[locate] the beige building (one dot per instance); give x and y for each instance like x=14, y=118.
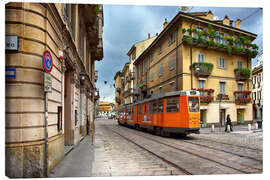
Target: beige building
x=257, y=90
x=72, y=33
x=135, y=51
x=117, y=86
x=194, y=51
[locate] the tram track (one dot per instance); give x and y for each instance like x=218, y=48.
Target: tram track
x=177, y=146
x=151, y=152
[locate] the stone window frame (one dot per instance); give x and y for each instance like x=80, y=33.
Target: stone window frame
x=220, y=64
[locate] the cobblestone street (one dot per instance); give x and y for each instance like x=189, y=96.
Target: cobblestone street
x=122, y=151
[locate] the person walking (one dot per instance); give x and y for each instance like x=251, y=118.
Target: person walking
x=228, y=122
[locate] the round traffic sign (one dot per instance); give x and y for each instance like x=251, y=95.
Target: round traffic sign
x=47, y=61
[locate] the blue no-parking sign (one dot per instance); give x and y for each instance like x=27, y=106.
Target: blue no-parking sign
x=47, y=61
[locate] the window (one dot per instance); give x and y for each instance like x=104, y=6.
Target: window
x=160, y=106
x=254, y=80
x=134, y=110
x=201, y=86
x=76, y=117
x=171, y=64
x=59, y=122
x=133, y=55
x=141, y=69
x=149, y=108
x=160, y=49
x=171, y=38
x=151, y=57
x=161, y=70
x=240, y=87
x=239, y=64
x=222, y=88
x=225, y=41
x=172, y=104
x=218, y=38
x=254, y=95
x=200, y=57
x=172, y=86
x=140, y=109
x=259, y=78
x=145, y=67
x=154, y=108
x=193, y=103
x=160, y=89
x=195, y=34
x=221, y=63
x=152, y=76
x=259, y=95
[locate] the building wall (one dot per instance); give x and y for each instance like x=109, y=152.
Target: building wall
x=40, y=27
x=179, y=77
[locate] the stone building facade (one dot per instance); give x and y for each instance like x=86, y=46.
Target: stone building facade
x=194, y=51
x=72, y=33
x=117, y=86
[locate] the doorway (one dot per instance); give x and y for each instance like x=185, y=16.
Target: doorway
x=240, y=116
x=203, y=118
x=222, y=113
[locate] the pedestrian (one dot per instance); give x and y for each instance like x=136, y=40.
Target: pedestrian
x=228, y=122
x=92, y=130
x=87, y=125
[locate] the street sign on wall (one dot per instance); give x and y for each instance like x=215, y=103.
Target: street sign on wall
x=11, y=73
x=11, y=43
x=47, y=61
x=47, y=82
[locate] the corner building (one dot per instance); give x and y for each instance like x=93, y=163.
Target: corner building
x=194, y=51
x=72, y=33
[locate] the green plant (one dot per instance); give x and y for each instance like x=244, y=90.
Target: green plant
x=184, y=30
x=229, y=50
x=243, y=71
x=141, y=85
x=204, y=66
x=189, y=31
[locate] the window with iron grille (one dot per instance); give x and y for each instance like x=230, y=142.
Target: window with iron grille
x=152, y=76
x=222, y=88
x=161, y=70
x=171, y=64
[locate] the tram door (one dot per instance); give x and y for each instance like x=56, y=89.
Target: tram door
x=222, y=117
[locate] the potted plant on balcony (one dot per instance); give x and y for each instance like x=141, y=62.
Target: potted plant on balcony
x=242, y=73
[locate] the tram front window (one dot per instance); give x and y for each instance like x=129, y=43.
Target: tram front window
x=193, y=103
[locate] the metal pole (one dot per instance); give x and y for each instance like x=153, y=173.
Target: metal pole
x=46, y=136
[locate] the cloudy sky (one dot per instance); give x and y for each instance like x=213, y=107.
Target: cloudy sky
x=125, y=25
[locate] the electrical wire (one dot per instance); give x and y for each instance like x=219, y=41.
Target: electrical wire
x=251, y=14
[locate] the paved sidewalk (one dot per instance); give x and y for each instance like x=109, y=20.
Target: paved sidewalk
x=241, y=129
x=78, y=163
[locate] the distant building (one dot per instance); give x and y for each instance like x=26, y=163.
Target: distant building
x=194, y=51
x=257, y=90
x=105, y=107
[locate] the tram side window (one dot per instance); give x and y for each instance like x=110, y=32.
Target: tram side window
x=160, y=106
x=154, y=108
x=134, y=110
x=149, y=108
x=128, y=110
x=172, y=105
x=140, y=109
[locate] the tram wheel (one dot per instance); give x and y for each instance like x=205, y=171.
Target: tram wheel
x=158, y=131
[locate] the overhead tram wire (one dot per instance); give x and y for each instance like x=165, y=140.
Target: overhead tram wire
x=251, y=14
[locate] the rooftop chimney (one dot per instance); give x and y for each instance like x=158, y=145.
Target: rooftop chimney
x=226, y=20
x=156, y=34
x=165, y=23
x=210, y=15
x=149, y=36
x=238, y=23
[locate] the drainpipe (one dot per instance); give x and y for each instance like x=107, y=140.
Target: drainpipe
x=176, y=59
x=191, y=70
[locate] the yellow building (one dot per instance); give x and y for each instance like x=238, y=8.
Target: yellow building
x=117, y=85
x=72, y=33
x=194, y=51
x=105, y=107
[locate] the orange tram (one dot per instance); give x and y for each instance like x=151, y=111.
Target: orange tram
x=174, y=112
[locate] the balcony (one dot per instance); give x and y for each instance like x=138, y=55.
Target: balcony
x=205, y=95
x=208, y=39
x=242, y=74
x=242, y=97
x=221, y=97
x=143, y=87
x=206, y=99
x=202, y=69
